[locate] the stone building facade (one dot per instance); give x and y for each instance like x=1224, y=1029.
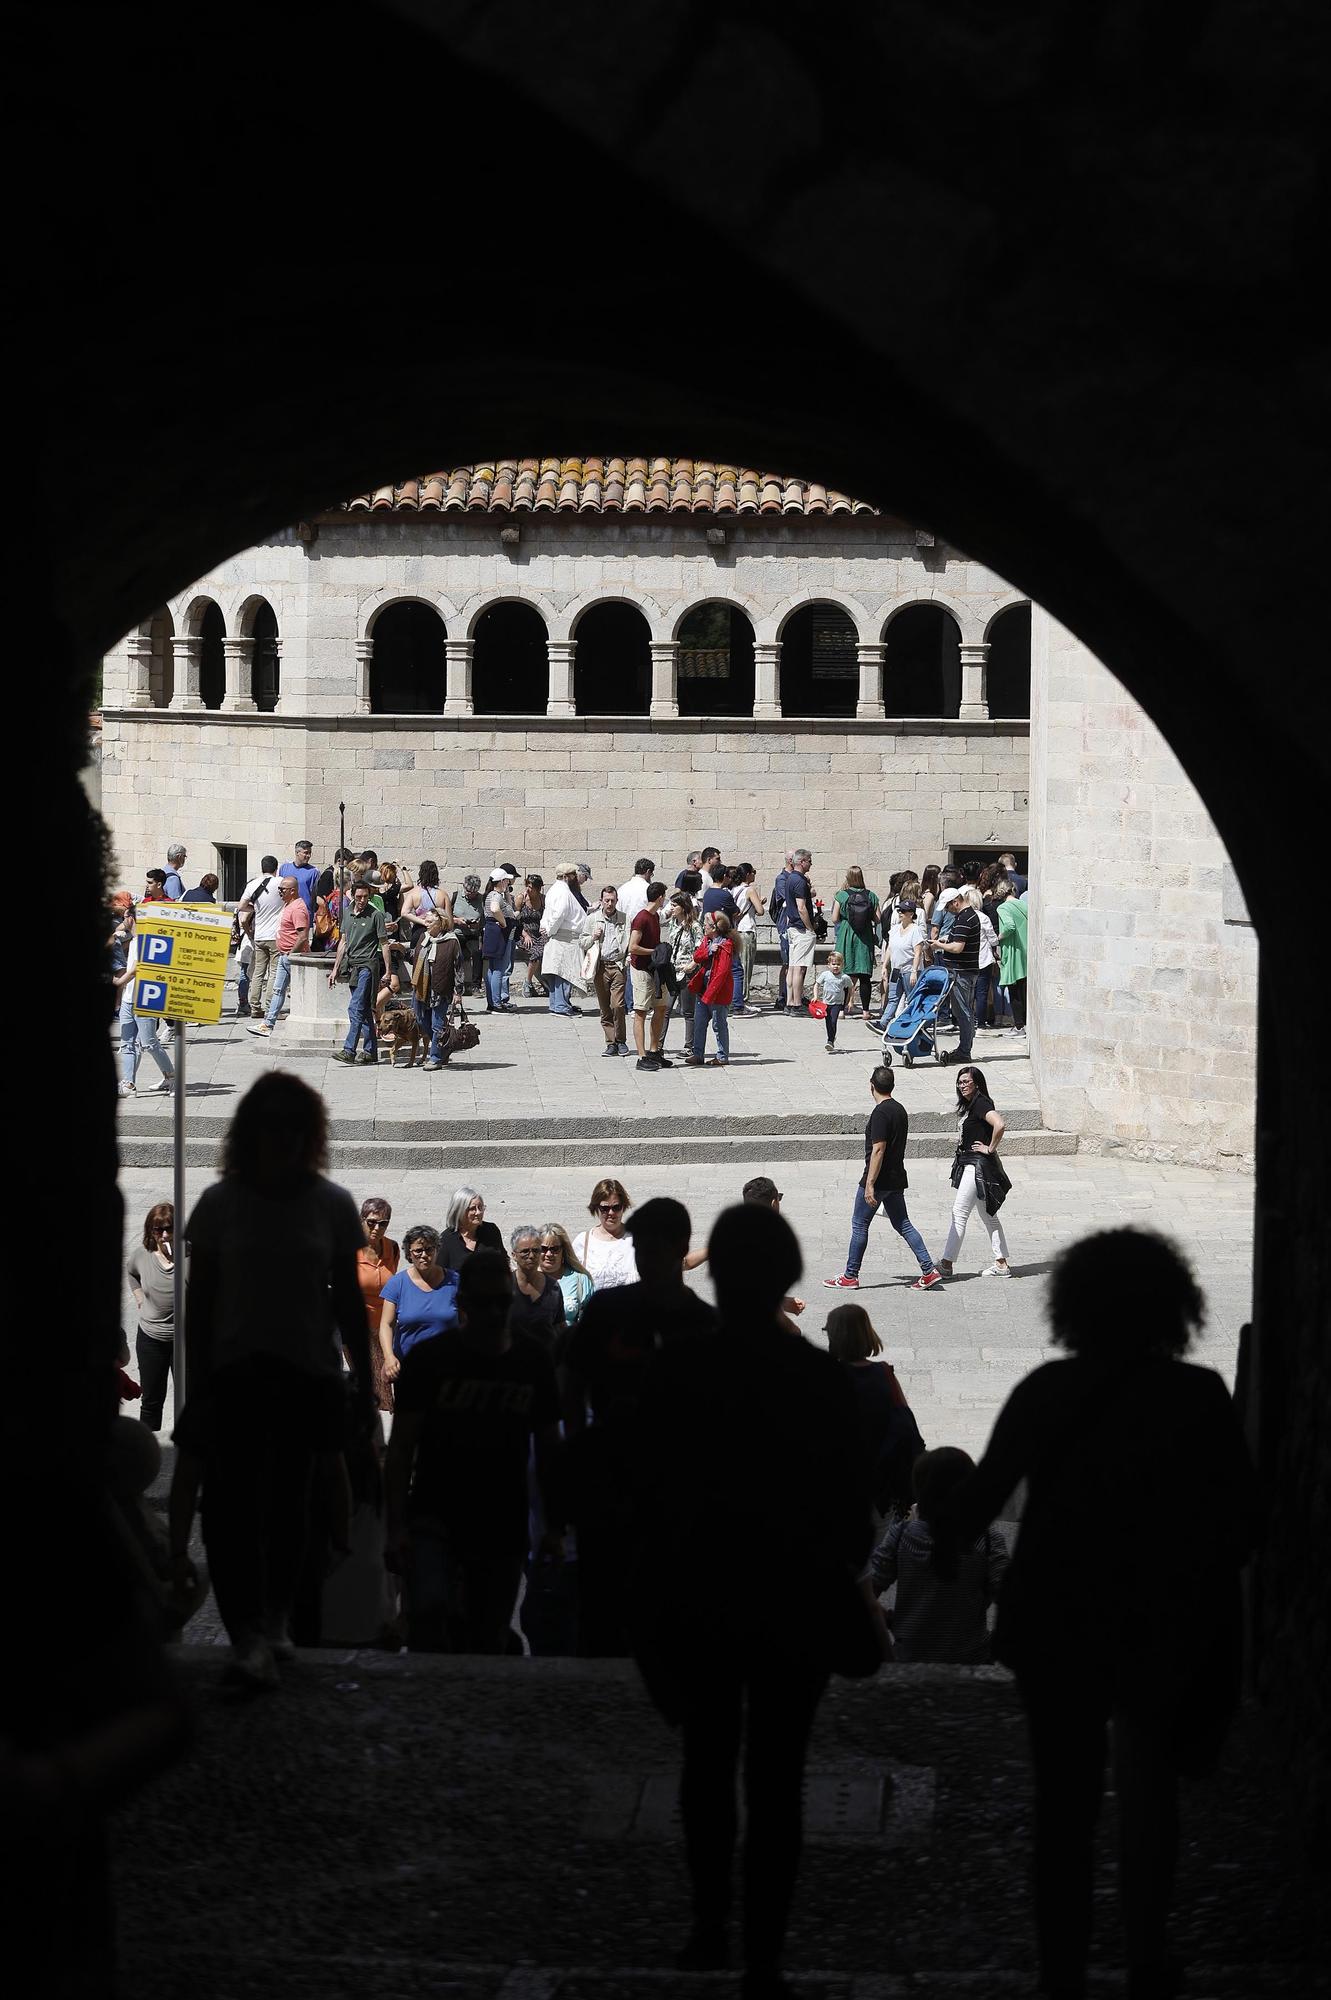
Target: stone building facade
x=600, y=661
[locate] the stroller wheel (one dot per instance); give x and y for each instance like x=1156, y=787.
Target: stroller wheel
x=908, y=1058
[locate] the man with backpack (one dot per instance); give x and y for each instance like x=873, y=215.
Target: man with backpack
x=259, y=914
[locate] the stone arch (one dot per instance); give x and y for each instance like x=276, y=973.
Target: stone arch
x=256, y=620
x=612, y=668
x=193, y=610
x=474, y=608
x=371, y=608
x=738, y=600
x=1008, y=673
x=922, y=660
x=510, y=666
x=574, y=612
x=408, y=672
x=967, y=616
x=715, y=659
x=770, y=627
x=819, y=672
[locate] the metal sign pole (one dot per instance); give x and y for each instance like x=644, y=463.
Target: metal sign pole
x=178, y=1198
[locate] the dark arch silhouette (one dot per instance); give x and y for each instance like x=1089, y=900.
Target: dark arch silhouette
x=265, y=665
x=716, y=661
x=1010, y=662
x=162, y=668
x=212, y=659
x=510, y=670
x=612, y=668
x=820, y=672
x=408, y=670
x=922, y=665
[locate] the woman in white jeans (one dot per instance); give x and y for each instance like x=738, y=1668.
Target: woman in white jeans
x=981, y=1130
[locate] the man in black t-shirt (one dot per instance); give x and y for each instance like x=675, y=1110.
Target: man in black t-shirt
x=468, y=1406
x=959, y=951
x=883, y=1185
x=607, y=1360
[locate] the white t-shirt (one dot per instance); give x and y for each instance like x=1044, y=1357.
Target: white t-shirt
x=610, y=1261
x=747, y=919
x=901, y=943
x=267, y=907
x=274, y=1254
x=633, y=896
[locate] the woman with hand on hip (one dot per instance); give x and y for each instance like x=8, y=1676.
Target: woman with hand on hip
x=977, y=1175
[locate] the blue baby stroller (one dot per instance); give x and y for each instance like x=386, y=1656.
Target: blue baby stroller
x=914, y=1030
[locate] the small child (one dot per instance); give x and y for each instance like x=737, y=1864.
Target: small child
x=834, y=987
x=943, y=1593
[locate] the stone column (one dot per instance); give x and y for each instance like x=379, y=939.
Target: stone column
x=767, y=679
x=185, y=652
x=139, y=655
x=239, y=657
x=277, y=671
x=974, y=688
x=562, y=653
x=870, y=701
x=665, y=677
x=458, y=657
x=364, y=655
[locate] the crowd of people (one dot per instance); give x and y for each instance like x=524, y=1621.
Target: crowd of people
x=410, y=951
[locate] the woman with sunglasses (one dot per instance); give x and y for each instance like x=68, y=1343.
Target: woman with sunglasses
x=375, y=1265
x=419, y=1302
x=560, y=1261
x=466, y=1230
x=152, y=1280
x=538, y=1303
x=606, y=1249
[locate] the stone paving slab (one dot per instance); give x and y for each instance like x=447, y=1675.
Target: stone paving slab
x=958, y=1349
x=411, y=1826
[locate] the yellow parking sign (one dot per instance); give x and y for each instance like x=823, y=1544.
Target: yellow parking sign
x=181, y=960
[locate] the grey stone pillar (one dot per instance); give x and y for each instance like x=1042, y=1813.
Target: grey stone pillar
x=562, y=653
x=974, y=683
x=458, y=695
x=185, y=651
x=665, y=677
x=767, y=679
x=870, y=701
x=364, y=655
x=139, y=657
x=239, y=657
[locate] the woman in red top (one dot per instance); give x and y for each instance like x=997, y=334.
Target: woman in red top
x=375, y=1265
x=714, y=985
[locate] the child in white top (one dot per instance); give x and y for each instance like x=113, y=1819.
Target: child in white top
x=834, y=987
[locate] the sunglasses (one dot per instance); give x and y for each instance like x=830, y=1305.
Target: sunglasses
x=530, y=1251
x=611, y=1208
x=552, y=1249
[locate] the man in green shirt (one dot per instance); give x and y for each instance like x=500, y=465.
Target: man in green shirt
x=364, y=946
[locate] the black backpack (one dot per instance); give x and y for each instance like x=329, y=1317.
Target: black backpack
x=859, y=912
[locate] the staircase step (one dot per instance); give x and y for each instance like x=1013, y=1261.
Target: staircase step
x=629, y=1145
x=205, y=1119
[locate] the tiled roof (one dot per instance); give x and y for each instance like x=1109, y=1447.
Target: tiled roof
x=606, y=486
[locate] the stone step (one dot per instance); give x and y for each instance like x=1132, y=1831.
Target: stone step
x=619, y=1143
x=153, y=1120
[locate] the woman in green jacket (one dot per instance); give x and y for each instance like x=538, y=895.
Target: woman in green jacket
x=857, y=931
x=1012, y=952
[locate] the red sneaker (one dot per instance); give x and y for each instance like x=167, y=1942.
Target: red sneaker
x=842, y=1284
x=927, y=1280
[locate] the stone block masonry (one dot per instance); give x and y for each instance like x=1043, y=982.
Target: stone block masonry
x=583, y=789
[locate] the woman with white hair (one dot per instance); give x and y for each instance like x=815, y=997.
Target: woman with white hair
x=466, y=1230
x=561, y=927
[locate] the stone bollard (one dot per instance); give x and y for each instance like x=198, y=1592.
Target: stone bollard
x=317, y=1011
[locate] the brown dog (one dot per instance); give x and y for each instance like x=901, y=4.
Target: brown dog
x=397, y=1027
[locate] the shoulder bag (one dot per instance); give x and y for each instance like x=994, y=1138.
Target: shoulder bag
x=462, y=1032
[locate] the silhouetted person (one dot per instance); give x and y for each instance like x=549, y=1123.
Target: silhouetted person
x=273, y=1300
x=745, y=1439
x=605, y=1364
x=1122, y=1601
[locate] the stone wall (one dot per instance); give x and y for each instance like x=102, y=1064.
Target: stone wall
x=1143, y=980
x=539, y=792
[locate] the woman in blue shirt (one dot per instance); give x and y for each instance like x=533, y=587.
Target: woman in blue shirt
x=420, y=1301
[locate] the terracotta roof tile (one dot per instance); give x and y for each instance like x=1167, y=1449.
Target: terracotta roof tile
x=606, y=486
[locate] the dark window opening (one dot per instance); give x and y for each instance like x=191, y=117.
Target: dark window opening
x=231, y=872
x=265, y=667
x=716, y=662
x=820, y=672
x=408, y=669
x=922, y=664
x=161, y=663
x=1009, y=677
x=212, y=659
x=510, y=673
x=612, y=667
x=984, y=857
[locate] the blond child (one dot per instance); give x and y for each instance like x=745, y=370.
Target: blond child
x=834, y=988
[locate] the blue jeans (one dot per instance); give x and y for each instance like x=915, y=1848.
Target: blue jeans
x=558, y=990
x=894, y=1208
x=962, y=995
x=506, y=964
x=783, y=939
x=138, y=1038
x=437, y=1022
x=898, y=986
x=720, y=1018
x=738, y=970
x=242, y=990
x=984, y=989
x=280, y=986
x=360, y=1011
x=494, y=981
x=833, y=1016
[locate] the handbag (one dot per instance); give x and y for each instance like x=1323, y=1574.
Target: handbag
x=462, y=1032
